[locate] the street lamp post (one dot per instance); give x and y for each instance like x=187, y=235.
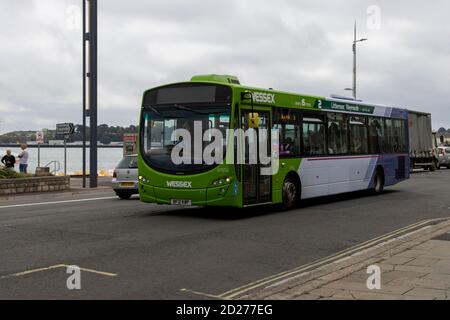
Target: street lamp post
x=90, y=88
x=353, y=89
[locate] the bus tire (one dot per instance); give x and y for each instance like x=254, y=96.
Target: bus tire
x=290, y=193
x=378, y=181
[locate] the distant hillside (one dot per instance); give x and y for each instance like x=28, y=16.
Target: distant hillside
x=106, y=134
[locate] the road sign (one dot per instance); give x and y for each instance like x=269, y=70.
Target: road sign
x=129, y=143
x=39, y=137
x=63, y=129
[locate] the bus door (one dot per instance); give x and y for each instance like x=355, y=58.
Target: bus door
x=257, y=188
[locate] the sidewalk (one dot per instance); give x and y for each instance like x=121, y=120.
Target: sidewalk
x=413, y=266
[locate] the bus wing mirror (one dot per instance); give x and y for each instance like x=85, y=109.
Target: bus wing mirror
x=253, y=120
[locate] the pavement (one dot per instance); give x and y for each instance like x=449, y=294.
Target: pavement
x=413, y=266
x=131, y=250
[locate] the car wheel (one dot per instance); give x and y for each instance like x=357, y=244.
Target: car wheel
x=290, y=193
x=433, y=166
x=378, y=181
x=123, y=194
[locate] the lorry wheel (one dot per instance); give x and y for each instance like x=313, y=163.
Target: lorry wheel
x=378, y=182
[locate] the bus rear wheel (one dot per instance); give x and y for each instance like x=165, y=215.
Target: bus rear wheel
x=378, y=181
x=290, y=193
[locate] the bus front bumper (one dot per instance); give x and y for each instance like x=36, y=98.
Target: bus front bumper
x=225, y=195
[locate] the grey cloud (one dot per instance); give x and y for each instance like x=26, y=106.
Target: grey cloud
x=302, y=46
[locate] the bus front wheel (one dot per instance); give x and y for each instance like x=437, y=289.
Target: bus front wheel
x=290, y=193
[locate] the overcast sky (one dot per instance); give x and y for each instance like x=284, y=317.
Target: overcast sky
x=293, y=45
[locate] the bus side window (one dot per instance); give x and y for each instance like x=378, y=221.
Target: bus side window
x=376, y=134
x=390, y=143
x=286, y=121
x=313, y=128
x=337, y=133
x=399, y=140
x=358, y=135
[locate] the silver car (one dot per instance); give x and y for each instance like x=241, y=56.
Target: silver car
x=125, y=177
x=444, y=157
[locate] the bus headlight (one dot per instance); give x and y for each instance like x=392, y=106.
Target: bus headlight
x=221, y=181
x=144, y=180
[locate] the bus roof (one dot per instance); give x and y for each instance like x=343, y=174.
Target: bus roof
x=270, y=97
x=300, y=100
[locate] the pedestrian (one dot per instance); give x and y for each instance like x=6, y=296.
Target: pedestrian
x=9, y=160
x=23, y=156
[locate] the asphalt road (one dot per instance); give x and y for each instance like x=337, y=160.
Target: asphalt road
x=154, y=251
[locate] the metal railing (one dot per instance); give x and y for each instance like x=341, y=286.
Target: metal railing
x=56, y=166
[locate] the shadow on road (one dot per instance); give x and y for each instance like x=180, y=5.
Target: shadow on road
x=228, y=213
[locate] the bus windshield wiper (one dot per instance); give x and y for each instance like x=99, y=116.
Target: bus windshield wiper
x=154, y=110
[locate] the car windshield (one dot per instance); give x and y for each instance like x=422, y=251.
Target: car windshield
x=159, y=122
x=128, y=162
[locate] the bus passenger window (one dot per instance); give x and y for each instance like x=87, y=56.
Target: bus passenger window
x=337, y=134
x=399, y=144
x=390, y=145
x=313, y=136
x=358, y=135
x=287, y=122
x=376, y=134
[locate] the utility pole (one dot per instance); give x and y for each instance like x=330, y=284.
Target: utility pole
x=353, y=89
x=90, y=88
x=354, y=62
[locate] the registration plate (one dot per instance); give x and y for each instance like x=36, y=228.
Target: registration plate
x=181, y=202
x=127, y=184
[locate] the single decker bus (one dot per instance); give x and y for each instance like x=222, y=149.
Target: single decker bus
x=325, y=146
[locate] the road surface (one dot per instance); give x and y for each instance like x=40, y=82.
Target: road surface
x=131, y=250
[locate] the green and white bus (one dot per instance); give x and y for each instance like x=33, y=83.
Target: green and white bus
x=326, y=145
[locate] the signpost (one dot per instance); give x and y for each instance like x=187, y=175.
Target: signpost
x=39, y=141
x=65, y=129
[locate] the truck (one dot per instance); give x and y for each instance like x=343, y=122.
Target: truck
x=422, y=141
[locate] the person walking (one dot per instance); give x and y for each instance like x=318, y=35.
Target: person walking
x=23, y=156
x=9, y=160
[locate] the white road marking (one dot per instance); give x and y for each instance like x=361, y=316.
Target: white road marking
x=54, y=202
x=27, y=272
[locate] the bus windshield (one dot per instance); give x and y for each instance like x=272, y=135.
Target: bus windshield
x=159, y=122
